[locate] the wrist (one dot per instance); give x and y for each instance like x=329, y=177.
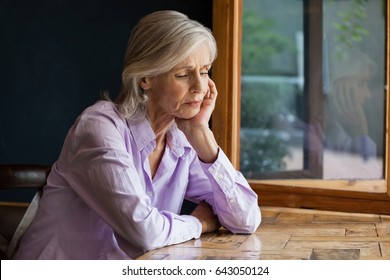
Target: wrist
x=205, y=145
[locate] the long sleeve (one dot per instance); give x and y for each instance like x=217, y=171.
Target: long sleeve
x=227, y=191
x=107, y=175
x=101, y=202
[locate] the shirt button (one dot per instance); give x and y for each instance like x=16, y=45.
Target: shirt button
x=150, y=194
x=231, y=200
x=220, y=176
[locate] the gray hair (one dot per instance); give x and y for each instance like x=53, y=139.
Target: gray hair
x=159, y=42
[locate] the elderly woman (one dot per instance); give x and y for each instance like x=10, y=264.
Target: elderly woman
x=118, y=186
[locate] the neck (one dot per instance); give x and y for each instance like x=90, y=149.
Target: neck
x=160, y=124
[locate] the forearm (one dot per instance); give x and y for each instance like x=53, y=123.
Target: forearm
x=204, y=143
x=230, y=195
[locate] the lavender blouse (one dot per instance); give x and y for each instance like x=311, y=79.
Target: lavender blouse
x=101, y=202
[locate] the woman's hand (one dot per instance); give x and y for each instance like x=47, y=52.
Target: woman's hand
x=197, y=129
x=204, y=213
x=202, y=119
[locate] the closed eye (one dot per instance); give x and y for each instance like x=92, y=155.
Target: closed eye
x=205, y=72
x=182, y=75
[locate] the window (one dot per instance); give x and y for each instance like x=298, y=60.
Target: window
x=312, y=89
x=303, y=109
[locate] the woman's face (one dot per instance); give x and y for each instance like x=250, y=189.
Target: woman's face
x=179, y=93
x=360, y=85
x=354, y=88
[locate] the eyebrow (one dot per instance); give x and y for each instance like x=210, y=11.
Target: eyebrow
x=190, y=67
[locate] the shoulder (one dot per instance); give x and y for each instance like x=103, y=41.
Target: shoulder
x=100, y=122
x=100, y=116
x=103, y=110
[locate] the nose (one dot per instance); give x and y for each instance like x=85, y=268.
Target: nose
x=368, y=93
x=198, y=85
x=365, y=92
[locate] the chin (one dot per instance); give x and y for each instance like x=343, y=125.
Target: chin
x=189, y=114
x=193, y=115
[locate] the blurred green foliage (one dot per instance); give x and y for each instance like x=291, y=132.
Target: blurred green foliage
x=263, y=104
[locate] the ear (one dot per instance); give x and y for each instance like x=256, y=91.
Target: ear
x=145, y=83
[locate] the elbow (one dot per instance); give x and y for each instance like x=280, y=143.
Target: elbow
x=141, y=237
x=146, y=245
x=250, y=224
x=252, y=227
x=149, y=240
x=256, y=219
x=249, y=227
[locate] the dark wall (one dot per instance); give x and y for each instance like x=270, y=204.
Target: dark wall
x=55, y=58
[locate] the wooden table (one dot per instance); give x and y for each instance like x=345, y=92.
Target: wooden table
x=288, y=233
x=217, y=245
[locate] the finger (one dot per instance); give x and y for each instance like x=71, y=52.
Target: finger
x=351, y=100
x=335, y=98
x=212, y=87
x=344, y=99
x=208, y=93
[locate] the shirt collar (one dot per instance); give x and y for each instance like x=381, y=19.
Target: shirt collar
x=142, y=133
x=144, y=136
x=177, y=141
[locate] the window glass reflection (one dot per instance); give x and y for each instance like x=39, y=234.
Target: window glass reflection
x=354, y=103
x=281, y=127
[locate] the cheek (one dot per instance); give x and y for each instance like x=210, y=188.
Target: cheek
x=177, y=93
x=171, y=100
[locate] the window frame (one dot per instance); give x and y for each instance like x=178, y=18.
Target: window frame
x=368, y=196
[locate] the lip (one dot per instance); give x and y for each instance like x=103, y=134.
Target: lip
x=195, y=103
